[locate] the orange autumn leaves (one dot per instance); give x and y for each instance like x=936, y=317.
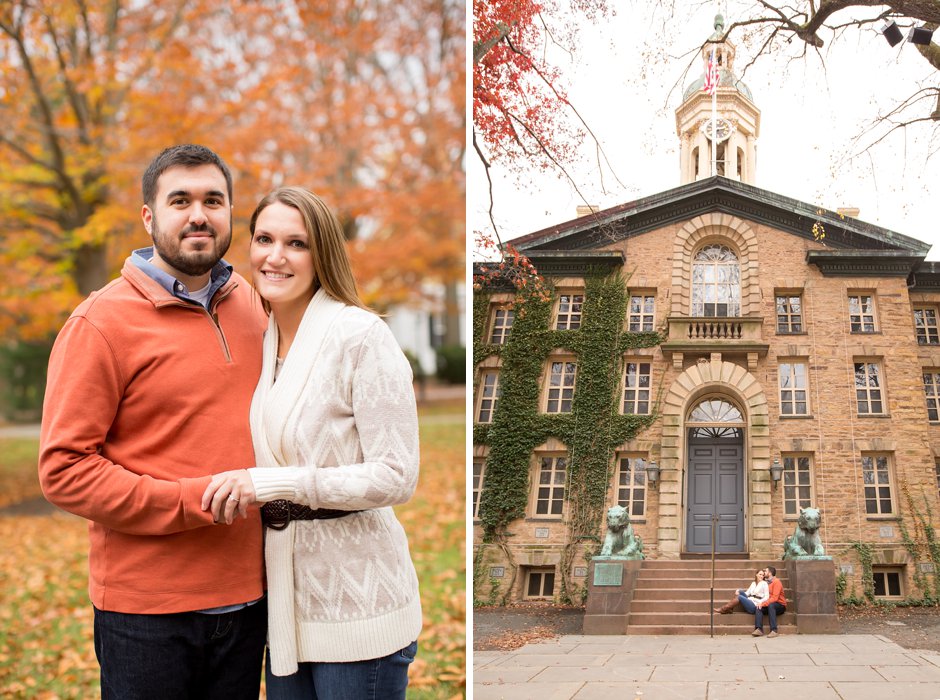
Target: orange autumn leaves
x=361, y=101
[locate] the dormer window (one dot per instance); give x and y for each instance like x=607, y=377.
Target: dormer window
x=716, y=282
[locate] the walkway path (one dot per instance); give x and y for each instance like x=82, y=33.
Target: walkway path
x=814, y=667
x=29, y=430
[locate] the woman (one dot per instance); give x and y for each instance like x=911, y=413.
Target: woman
x=750, y=599
x=335, y=434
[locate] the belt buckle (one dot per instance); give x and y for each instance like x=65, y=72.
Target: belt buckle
x=280, y=523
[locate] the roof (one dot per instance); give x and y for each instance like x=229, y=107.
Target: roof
x=717, y=194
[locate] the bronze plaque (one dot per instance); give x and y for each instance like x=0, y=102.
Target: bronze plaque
x=608, y=574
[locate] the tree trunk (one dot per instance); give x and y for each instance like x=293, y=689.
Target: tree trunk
x=91, y=268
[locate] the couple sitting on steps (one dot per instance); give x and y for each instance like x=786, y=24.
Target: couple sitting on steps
x=765, y=593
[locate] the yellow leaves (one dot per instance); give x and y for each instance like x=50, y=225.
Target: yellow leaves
x=105, y=222
x=819, y=230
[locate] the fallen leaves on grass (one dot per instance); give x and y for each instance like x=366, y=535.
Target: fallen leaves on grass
x=434, y=523
x=46, y=620
x=46, y=648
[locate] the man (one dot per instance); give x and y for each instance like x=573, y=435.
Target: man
x=775, y=604
x=149, y=387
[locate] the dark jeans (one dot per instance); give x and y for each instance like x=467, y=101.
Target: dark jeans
x=385, y=678
x=181, y=655
x=773, y=610
x=747, y=603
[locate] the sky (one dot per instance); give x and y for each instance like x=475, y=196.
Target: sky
x=627, y=81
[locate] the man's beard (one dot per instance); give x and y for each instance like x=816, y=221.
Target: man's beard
x=193, y=264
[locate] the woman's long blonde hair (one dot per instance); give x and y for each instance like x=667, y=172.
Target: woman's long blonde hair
x=331, y=268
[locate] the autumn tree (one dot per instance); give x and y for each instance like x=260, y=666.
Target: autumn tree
x=522, y=117
x=83, y=101
x=360, y=100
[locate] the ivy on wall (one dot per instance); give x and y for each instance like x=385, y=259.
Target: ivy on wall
x=591, y=431
x=922, y=546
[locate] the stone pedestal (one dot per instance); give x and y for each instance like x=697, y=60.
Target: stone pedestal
x=813, y=585
x=610, y=594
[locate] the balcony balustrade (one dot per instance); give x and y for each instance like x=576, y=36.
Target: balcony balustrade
x=707, y=335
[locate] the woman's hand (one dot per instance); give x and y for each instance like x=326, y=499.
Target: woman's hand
x=228, y=493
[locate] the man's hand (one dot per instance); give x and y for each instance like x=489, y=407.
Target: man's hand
x=228, y=493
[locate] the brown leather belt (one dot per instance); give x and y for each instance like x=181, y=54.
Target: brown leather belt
x=277, y=514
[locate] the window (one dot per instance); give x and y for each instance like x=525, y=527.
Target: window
x=561, y=381
x=925, y=325
x=932, y=392
x=550, y=494
x=715, y=418
x=540, y=583
x=568, y=317
x=876, y=475
x=631, y=485
x=868, y=388
x=641, y=313
x=789, y=313
x=502, y=323
x=887, y=581
x=862, y=313
x=936, y=467
x=478, y=468
x=797, y=487
x=716, y=282
x=489, y=393
x=636, y=388
x=793, y=389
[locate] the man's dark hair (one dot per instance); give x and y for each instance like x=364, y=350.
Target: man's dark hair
x=772, y=570
x=188, y=155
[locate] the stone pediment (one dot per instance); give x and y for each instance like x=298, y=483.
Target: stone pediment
x=719, y=194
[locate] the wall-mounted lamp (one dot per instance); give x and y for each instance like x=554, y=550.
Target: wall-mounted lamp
x=920, y=35
x=776, y=472
x=652, y=473
x=892, y=33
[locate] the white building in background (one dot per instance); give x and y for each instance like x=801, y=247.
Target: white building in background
x=420, y=326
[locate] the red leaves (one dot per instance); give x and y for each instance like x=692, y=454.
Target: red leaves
x=519, y=100
x=514, y=268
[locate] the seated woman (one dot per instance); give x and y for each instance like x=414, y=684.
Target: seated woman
x=751, y=599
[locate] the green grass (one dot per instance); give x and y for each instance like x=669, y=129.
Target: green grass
x=46, y=647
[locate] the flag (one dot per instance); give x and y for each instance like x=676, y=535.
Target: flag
x=711, y=76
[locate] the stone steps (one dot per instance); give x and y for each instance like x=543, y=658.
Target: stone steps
x=673, y=597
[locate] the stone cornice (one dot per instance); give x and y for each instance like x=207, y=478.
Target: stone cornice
x=558, y=263
x=576, y=264
x=863, y=263
x=925, y=277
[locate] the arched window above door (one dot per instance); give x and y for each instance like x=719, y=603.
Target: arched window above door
x=716, y=282
x=721, y=419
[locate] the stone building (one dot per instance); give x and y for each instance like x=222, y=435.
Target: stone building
x=797, y=364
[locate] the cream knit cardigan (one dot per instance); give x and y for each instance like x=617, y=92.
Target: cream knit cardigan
x=338, y=429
